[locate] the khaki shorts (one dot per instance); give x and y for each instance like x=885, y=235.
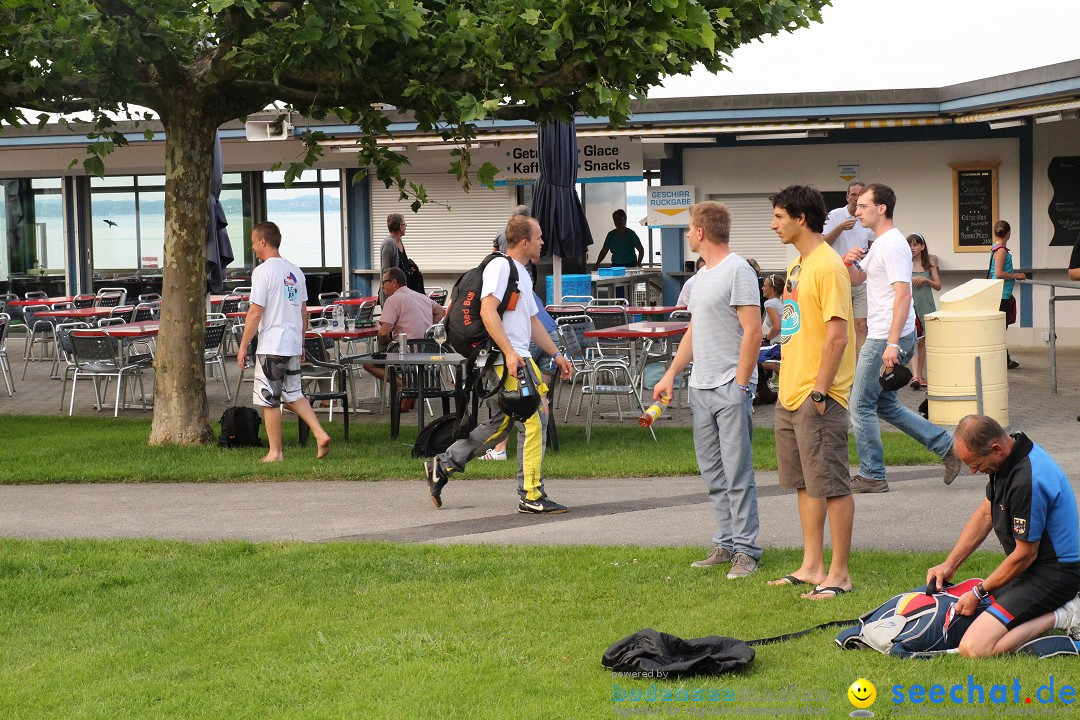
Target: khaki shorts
x=858, y=301
x=812, y=449
x=277, y=380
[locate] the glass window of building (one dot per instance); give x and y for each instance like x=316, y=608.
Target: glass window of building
x=129, y=221
x=309, y=215
x=128, y=227
x=32, y=228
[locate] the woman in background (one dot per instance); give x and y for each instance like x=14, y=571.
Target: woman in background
x=769, y=355
x=773, y=288
x=924, y=281
x=1001, y=266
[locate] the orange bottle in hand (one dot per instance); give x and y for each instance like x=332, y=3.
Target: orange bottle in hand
x=654, y=412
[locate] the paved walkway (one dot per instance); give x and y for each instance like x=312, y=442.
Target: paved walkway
x=920, y=513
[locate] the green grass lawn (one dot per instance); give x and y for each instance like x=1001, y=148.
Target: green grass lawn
x=48, y=449
x=145, y=629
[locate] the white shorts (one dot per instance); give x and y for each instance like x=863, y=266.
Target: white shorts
x=277, y=380
x=858, y=301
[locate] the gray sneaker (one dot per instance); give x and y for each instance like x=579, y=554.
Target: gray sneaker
x=859, y=484
x=952, y=466
x=718, y=556
x=743, y=566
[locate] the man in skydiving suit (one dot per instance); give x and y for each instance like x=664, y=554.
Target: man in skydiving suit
x=1031, y=507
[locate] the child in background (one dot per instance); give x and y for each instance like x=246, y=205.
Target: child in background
x=924, y=280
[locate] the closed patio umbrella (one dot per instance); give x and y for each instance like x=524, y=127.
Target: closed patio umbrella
x=219, y=252
x=556, y=205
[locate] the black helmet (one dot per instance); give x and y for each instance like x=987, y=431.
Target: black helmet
x=522, y=402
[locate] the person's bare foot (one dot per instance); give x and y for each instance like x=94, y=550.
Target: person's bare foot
x=324, y=447
x=829, y=588
x=273, y=458
x=800, y=577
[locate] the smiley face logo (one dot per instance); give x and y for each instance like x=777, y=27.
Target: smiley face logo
x=862, y=693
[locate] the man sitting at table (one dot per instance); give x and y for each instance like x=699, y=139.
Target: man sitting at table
x=404, y=311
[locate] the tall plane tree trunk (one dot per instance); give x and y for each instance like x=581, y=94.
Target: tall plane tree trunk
x=180, y=406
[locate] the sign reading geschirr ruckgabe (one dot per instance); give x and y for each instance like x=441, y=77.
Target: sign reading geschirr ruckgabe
x=669, y=205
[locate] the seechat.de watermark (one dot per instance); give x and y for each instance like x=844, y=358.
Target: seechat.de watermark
x=1052, y=695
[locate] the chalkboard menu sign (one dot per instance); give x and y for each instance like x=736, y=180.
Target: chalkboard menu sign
x=1064, y=210
x=975, y=206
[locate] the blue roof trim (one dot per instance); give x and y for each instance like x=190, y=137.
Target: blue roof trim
x=46, y=140
x=1011, y=96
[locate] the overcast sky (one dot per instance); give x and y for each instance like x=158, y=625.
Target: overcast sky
x=874, y=44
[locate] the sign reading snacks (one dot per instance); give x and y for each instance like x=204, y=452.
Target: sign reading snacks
x=669, y=205
x=599, y=160
x=975, y=205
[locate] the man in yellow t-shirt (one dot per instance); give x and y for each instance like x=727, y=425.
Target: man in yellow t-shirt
x=817, y=340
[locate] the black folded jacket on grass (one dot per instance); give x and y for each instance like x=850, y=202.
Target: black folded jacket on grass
x=663, y=655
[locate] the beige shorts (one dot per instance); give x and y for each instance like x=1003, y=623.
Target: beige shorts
x=812, y=449
x=277, y=380
x=858, y=301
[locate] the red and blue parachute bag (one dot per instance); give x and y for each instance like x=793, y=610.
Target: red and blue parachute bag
x=915, y=624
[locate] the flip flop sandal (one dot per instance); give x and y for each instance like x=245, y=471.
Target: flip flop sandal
x=789, y=580
x=825, y=593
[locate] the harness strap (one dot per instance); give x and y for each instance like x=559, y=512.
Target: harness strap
x=800, y=633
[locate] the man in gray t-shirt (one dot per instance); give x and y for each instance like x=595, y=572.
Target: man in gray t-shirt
x=723, y=341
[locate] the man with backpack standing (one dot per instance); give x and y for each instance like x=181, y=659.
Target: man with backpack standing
x=511, y=333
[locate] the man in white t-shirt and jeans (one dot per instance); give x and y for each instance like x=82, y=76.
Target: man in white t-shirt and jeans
x=890, y=340
x=844, y=231
x=511, y=334
x=278, y=313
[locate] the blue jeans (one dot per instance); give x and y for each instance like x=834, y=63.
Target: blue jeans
x=723, y=434
x=869, y=401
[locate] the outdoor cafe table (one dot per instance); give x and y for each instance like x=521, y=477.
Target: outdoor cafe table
x=646, y=332
x=40, y=301
x=216, y=300
x=312, y=310
x=1054, y=300
x=354, y=301
x=641, y=331
x=129, y=331
x=361, y=333
x=89, y=313
x=448, y=359
x=656, y=310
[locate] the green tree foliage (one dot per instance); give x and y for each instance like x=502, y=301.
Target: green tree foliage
x=449, y=63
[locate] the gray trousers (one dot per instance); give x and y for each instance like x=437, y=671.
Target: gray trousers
x=723, y=435
x=530, y=446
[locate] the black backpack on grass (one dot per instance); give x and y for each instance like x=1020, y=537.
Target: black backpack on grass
x=240, y=427
x=465, y=329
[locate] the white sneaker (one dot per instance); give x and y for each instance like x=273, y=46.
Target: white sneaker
x=1071, y=620
x=493, y=454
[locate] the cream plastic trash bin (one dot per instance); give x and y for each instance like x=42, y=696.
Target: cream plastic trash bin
x=980, y=294
x=969, y=326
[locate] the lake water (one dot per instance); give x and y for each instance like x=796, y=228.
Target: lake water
x=115, y=245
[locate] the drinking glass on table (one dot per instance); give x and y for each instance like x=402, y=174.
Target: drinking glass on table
x=438, y=333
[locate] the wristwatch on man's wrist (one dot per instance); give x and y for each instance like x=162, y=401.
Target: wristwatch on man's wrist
x=818, y=397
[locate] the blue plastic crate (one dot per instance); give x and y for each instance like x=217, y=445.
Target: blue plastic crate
x=612, y=272
x=571, y=285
